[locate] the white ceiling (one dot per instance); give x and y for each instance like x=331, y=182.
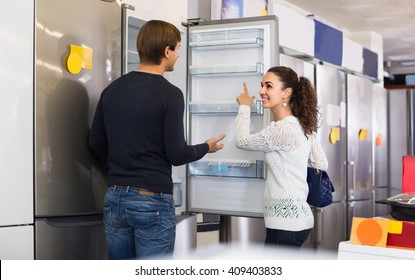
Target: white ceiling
x=394, y=20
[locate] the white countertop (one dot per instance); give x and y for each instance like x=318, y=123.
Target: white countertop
x=349, y=251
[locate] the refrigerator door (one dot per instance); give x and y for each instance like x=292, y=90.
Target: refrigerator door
x=380, y=136
x=330, y=226
x=359, y=138
x=77, y=56
x=130, y=29
x=221, y=56
x=70, y=238
x=380, y=148
x=331, y=94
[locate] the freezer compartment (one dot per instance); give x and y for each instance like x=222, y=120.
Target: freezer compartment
x=251, y=37
x=228, y=168
x=329, y=227
x=242, y=230
x=222, y=108
x=70, y=238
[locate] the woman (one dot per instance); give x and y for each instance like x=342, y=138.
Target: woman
x=290, y=145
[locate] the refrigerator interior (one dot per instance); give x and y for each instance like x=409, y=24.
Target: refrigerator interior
x=221, y=56
x=73, y=65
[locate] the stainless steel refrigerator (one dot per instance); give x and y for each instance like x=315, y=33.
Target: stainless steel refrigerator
x=359, y=178
x=330, y=221
x=77, y=54
x=82, y=46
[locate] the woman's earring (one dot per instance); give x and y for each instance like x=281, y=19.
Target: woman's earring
x=284, y=104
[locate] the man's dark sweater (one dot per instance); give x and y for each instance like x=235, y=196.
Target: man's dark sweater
x=138, y=132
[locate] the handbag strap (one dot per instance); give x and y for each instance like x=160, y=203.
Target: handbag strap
x=314, y=152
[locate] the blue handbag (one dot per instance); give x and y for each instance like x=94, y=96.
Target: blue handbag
x=320, y=188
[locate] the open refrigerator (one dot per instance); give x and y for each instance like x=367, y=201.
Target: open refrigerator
x=221, y=56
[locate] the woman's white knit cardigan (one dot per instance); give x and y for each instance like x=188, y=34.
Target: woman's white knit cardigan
x=287, y=154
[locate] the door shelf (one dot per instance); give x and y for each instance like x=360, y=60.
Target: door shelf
x=228, y=168
x=252, y=69
x=224, y=108
x=238, y=38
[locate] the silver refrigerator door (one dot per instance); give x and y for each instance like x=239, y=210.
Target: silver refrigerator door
x=359, y=138
x=331, y=94
x=79, y=36
x=360, y=201
x=330, y=222
x=380, y=148
x=78, y=53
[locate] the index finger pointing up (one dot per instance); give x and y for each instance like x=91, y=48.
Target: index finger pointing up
x=245, y=89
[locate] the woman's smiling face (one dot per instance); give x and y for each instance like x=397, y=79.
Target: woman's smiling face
x=272, y=91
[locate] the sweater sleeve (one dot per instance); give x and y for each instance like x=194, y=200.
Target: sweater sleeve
x=177, y=149
x=98, y=142
x=281, y=135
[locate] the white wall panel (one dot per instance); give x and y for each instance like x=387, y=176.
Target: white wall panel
x=352, y=55
x=295, y=30
x=174, y=12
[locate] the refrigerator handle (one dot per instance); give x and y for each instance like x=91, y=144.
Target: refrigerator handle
x=73, y=221
x=319, y=233
x=259, y=108
x=352, y=164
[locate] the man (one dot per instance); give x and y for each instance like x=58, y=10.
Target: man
x=138, y=132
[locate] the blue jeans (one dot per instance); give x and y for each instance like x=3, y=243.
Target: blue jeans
x=138, y=226
x=286, y=238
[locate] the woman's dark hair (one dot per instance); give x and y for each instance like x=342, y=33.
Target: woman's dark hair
x=153, y=38
x=303, y=101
